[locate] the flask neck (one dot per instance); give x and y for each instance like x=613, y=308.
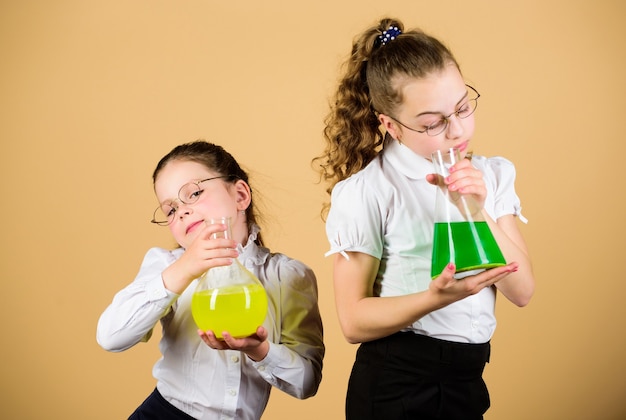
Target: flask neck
x=228, y=275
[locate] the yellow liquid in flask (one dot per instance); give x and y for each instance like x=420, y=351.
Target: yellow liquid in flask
x=237, y=309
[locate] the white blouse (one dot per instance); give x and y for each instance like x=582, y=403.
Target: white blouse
x=387, y=210
x=222, y=384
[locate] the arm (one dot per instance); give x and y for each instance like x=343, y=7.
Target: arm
x=294, y=364
x=364, y=317
x=163, y=276
x=135, y=310
x=466, y=179
x=519, y=286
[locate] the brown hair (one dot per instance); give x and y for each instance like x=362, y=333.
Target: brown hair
x=216, y=159
x=371, y=84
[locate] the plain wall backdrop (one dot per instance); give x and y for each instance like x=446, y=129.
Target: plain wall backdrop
x=93, y=93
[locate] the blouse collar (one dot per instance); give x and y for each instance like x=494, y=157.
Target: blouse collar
x=258, y=255
x=406, y=161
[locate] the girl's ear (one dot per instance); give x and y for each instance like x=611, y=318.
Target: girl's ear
x=390, y=126
x=243, y=194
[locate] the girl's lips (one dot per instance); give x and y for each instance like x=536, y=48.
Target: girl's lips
x=193, y=226
x=463, y=146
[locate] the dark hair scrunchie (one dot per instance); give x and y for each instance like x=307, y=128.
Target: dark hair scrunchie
x=388, y=35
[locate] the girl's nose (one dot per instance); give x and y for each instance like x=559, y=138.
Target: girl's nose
x=454, y=129
x=183, y=210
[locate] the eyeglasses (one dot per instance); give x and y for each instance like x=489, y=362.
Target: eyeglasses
x=188, y=194
x=438, y=127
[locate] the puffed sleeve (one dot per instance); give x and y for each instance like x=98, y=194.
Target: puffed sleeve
x=294, y=364
x=499, y=174
x=355, y=220
x=136, y=309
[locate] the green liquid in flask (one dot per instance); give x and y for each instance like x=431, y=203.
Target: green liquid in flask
x=473, y=247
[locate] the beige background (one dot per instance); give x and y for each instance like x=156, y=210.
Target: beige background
x=93, y=93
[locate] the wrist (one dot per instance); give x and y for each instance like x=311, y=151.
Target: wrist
x=173, y=280
x=259, y=353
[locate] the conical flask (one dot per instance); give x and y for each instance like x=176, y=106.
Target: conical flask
x=461, y=234
x=229, y=298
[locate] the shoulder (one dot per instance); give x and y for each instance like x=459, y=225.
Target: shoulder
x=368, y=182
x=277, y=266
x=290, y=271
x=499, y=175
x=289, y=265
x=497, y=166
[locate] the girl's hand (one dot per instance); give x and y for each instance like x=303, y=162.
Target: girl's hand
x=448, y=290
x=464, y=179
x=204, y=253
x=255, y=345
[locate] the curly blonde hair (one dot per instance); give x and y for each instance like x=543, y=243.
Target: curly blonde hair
x=372, y=84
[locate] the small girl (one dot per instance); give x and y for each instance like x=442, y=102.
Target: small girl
x=424, y=342
x=199, y=376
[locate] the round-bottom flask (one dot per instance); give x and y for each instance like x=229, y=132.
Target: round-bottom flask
x=229, y=298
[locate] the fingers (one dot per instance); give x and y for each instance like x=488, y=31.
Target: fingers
x=262, y=333
x=210, y=251
x=465, y=179
x=212, y=239
x=445, y=280
x=228, y=342
x=489, y=277
x=435, y=179
x=248, y=342
x=447, y=274
x=214, y=231
x=446, y=285
x=211, y=340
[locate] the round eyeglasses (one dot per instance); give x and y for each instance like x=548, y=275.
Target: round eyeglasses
x=466, y=109
x=188, y=194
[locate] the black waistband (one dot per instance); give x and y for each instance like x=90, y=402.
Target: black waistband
x=409, y=347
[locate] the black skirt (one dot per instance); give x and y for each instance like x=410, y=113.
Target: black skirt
x=412, y=376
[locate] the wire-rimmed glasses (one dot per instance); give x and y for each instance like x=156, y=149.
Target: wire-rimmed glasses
x=466, y=109
x=188, y=194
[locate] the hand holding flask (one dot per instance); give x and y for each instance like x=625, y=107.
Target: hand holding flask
x=229, y=298
x=461, y=234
